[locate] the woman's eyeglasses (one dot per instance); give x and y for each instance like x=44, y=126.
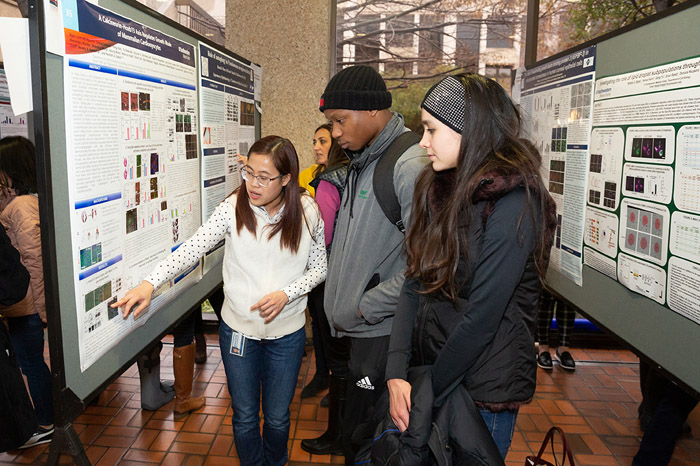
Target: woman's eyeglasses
x=263, y=181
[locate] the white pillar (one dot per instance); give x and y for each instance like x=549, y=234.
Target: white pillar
x=517, y=39
x=416, y=43
x=483, y=30
x=348, y=49
x=382, y=43
x=449, y=40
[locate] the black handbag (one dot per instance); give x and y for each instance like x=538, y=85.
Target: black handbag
x=549, y=438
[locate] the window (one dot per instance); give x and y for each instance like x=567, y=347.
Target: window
x=468, y=34
x=399, y=39
x=499, y=35
x=367, y=39
x=398, y=33
x=430, y=43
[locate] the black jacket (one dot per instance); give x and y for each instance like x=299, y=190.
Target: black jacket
x=14, y=278
x=485, y=340
x=454, y=434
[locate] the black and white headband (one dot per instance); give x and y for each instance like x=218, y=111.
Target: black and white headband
x=445, y=101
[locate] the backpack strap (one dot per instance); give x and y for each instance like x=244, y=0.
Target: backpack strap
x=383, y=178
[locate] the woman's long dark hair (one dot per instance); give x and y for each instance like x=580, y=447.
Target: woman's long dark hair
x=18, y=161
x=284, y=157
x=491, y=143
x=336, y=155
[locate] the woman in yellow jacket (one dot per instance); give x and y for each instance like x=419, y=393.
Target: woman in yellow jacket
x=322, y=147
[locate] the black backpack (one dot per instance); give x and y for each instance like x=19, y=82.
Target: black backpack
x=384, y=171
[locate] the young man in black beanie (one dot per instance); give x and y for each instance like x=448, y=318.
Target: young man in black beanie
x=365, y=271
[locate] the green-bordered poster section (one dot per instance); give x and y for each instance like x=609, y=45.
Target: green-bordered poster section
x=645, y=151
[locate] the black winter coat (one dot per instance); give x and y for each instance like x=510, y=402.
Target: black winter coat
x=14, y=278
x=485, y=340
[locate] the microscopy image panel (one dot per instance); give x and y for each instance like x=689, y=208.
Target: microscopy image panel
x=644, y=221
x=632, y=218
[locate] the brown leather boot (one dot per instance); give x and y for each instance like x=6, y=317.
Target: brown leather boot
x=183, y=367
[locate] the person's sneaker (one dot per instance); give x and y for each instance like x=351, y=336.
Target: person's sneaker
x=565, y=360
x=544, y=360
x=40, y=436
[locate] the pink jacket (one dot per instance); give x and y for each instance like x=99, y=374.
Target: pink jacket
x=21, y=220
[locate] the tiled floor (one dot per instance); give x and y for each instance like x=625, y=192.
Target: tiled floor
x=596, y=406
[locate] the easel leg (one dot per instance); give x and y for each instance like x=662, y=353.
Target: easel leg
x=66, y=442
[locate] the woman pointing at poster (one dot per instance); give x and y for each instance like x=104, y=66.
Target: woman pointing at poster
x=274, y=255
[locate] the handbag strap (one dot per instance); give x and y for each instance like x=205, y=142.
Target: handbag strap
x=550, y=438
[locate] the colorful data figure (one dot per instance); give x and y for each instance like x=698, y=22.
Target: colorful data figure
x=650, y=144
x=649, y=182
x=645, y=231
x=601, y=231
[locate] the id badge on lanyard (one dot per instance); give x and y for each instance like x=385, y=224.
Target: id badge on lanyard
x=237, y=344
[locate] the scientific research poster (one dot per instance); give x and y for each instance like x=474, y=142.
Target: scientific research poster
x=10, y=125
x=226, y=103
x=556, y=100
x=133, y=158
x=656, y=112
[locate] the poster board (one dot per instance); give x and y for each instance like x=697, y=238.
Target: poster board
x=556, y=100
x=227, y=103
x=641, y=253
x=138, y=86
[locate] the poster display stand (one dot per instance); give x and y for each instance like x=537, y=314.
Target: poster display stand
x=617, y=122
x=118, y=105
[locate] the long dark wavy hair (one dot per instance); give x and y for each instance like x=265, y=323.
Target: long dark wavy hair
x=18, y=161
x=284, y=157
x=336, y=155
x=491, y=143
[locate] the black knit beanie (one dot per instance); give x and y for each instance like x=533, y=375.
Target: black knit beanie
x=445, y=101
x=356, y=88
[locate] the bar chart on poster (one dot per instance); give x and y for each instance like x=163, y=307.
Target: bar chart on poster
x=10, y=124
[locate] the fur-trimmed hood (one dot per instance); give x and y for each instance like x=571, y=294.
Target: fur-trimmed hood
x=494, y=185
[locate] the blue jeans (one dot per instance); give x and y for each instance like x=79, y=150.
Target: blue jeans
x=27, y=334
x=270, y=365
x=501, y=425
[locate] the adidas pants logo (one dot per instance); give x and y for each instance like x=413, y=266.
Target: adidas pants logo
x=365, y=383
